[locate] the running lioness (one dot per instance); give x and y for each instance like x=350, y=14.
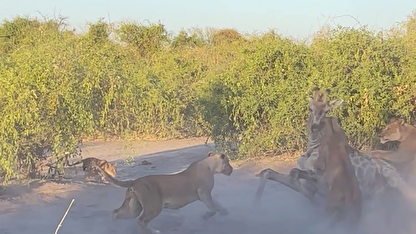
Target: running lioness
x=147, y=196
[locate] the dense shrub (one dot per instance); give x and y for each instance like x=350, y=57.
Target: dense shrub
x=248, y=92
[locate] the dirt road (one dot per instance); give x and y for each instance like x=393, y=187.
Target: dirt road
x=39, y=207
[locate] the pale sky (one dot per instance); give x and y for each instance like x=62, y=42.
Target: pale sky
x=295, y=18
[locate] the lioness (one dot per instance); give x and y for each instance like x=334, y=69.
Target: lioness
x=90, y=164
x=147, y=196
x=403, y=157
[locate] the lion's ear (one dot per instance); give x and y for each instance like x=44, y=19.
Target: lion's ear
x=210, y=154
x=392, y=120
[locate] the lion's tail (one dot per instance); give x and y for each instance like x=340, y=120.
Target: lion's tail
x=121, y=183
x=75, y=163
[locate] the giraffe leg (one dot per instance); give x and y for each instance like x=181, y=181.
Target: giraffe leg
x=287, y=180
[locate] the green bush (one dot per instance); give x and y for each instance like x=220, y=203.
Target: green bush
x=248, y=92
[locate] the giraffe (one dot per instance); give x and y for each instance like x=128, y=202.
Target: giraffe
x=334, y=168
x=374, y=175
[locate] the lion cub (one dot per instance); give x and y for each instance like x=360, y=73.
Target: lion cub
x=89, y=165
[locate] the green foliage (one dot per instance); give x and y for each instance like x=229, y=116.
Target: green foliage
x=39, y=102
x=225, y=36
x=250, y=93
x=184, y=39
x=98, y=32
x=146, y=39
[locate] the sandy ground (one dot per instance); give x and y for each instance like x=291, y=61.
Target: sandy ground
x=38, y=207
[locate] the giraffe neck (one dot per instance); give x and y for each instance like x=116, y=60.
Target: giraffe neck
x=315, y=137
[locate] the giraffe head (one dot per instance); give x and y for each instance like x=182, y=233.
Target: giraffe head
x=319, y=106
